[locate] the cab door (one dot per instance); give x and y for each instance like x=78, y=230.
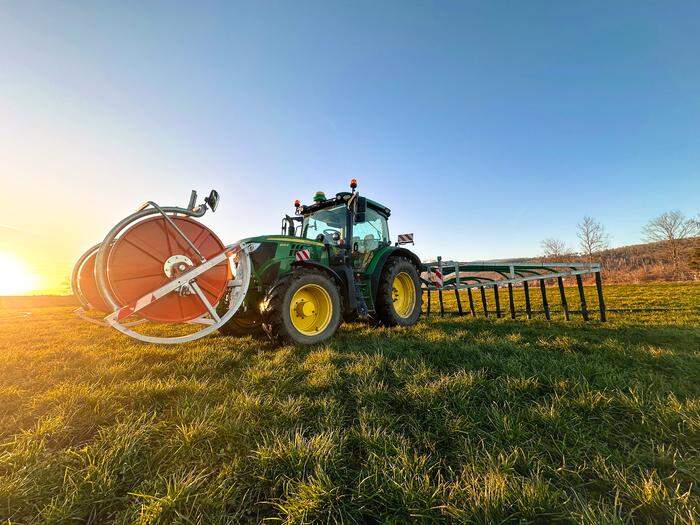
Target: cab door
x=367, y=238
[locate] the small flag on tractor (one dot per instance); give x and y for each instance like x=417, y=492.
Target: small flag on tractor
x=302, y=255
x=405, y=238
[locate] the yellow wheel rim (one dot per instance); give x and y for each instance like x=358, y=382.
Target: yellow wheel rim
x=403, y=294
x=311, y=309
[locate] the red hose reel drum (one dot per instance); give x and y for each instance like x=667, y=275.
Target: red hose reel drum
x=88, y=285
x=148, y=254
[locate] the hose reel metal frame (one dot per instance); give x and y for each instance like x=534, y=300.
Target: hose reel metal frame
x=235, y=255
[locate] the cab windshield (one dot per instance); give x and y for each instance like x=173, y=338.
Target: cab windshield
x=328, y=226
x=322, y=224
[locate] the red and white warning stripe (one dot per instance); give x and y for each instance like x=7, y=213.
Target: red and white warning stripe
x=140, y=304
x=302, y=255
x=405, y=238
x=434, y=276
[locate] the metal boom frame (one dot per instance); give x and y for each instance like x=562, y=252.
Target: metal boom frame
x=469, y=275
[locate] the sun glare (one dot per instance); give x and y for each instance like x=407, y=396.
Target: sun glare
x=15, y=277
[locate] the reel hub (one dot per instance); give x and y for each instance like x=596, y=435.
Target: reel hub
x=176, y=265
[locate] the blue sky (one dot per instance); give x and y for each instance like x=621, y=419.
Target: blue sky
x=486, y=127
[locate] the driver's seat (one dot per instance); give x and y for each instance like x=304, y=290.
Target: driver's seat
x=370, y=243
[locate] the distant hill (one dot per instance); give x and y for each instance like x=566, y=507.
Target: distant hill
x=646, y=262
x=651, y=262
x=34, y=301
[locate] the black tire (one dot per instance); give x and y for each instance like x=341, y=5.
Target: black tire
x=242, y=323
x=351, y=317
x=386, y=311
x=242, y=326
x=276, y=319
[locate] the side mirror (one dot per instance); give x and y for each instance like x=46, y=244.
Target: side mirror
x=213, y=200
x=360, y=209
x=290, y=226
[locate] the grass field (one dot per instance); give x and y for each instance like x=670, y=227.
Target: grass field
x=455, y=420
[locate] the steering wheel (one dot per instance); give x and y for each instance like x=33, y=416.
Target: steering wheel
x=327, y=235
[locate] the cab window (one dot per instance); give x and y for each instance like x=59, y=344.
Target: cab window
x=322, y=224
x=368, y=235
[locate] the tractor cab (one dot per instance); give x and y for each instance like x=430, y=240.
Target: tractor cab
x=346, y=221
x=326, y=221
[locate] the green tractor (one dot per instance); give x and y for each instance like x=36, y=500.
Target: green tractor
x=333, y=262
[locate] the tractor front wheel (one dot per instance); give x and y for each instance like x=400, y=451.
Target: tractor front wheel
x=302, y=307
x=240, y=327
x=241, y=324
x=399, y=298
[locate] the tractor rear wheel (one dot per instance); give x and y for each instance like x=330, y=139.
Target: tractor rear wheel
x=302, y=307
x=399, y=297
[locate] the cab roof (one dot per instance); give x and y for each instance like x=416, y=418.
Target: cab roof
x=342, y=198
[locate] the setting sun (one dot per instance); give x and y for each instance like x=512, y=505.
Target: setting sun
x=15, y=277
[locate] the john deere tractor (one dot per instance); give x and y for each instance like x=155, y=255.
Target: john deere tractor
x=334, y=261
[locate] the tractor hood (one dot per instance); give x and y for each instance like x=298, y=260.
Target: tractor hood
x=274, y=255
x=283, y=240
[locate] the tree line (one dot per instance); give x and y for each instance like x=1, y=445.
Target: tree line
x=670, y=228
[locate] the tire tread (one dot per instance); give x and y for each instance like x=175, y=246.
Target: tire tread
x=273, y=305
x=385, y=305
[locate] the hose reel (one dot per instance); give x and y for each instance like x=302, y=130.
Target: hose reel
x=161, y=265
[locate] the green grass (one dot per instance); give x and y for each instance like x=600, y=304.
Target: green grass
x=454, y=420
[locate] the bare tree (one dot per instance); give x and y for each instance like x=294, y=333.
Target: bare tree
x=592, y=237
x=554, y=248
x=670, y=228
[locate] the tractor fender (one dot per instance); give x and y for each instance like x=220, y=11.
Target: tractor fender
x=318, y=266
x=395, y=252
